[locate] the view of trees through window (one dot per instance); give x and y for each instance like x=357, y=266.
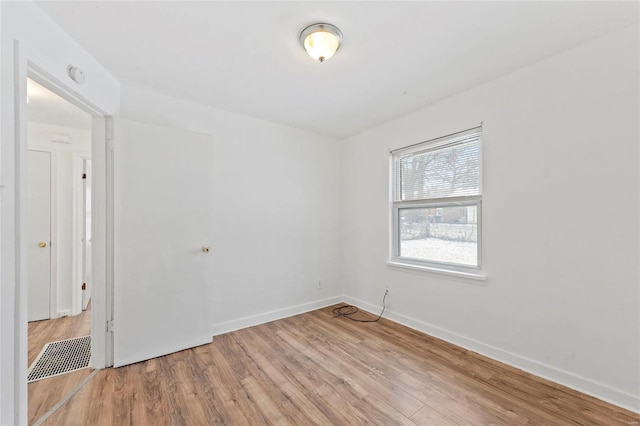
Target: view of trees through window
x=442, y=173
x=437, y=196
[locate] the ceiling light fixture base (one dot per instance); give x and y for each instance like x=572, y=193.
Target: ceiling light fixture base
x=321, y=40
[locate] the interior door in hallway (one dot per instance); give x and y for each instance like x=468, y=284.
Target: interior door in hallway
x=38, y=234
x=163, y=220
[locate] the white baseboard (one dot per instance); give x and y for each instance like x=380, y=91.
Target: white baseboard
x=240, y=323
x=573, y=381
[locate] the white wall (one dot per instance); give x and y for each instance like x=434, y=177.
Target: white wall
x=560, y=308
x=560, y=221
x=44, y=44
x=65, y=182
x=276, y=200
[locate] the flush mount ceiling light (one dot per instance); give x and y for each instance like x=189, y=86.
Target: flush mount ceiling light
x=321, y=40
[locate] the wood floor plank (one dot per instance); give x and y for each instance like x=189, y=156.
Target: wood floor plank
x=428, y=416
x=314, y=369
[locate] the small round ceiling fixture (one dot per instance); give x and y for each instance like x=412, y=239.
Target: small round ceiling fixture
x=321, y=40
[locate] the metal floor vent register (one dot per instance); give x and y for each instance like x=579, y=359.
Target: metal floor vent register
x=61, y=357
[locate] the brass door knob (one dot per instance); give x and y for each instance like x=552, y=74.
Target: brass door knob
x=42, y=244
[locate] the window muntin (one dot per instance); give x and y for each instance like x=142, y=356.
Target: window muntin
x=436, y=205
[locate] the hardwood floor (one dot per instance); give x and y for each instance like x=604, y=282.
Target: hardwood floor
x=315, y=369
x=44, y=394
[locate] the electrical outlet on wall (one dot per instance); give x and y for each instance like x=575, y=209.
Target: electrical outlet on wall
x=319, y=285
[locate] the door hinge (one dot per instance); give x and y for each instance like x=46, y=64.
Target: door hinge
x=84, y=286
x=84, y=176
x=110, y=326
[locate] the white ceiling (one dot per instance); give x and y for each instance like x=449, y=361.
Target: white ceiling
x=397, y=56
x=46, y=107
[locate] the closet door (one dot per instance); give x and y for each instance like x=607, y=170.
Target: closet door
x=163, y=222
x=38, y=235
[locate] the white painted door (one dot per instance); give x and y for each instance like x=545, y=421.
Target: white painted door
x=163, y=217
x=38, y=234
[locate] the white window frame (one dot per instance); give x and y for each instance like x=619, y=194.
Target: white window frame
x=396, y=205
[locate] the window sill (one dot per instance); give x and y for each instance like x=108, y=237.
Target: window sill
x=440, y=271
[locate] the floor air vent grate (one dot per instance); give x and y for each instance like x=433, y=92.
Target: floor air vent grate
x=61, y=357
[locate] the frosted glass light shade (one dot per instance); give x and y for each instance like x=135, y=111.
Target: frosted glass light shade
x=321, y=41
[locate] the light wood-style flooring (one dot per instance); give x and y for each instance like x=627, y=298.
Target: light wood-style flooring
x=315, y=369
x=46, y=393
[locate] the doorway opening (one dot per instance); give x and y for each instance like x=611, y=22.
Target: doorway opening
x=58, y=246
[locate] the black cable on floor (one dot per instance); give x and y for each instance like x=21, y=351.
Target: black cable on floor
x=347, y=310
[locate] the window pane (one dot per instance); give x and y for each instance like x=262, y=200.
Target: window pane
x=445, y=234
x=450, y=171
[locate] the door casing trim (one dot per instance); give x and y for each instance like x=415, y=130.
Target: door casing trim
x=27, y=65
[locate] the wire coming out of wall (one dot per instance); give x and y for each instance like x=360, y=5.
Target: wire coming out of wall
x=347, y=311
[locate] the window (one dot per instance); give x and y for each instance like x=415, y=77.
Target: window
x=437, y=202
